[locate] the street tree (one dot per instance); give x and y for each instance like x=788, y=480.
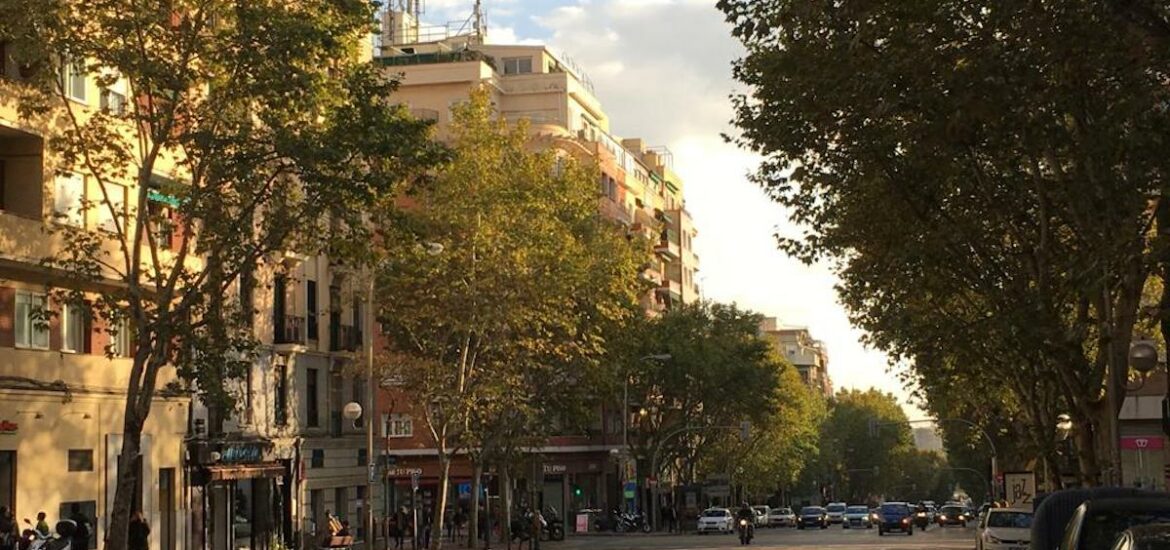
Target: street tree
x=990, y=168
x=517, y=305
x=243, y=130
x=862, y=437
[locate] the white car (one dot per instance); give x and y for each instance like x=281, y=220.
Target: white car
x=716, y=520
x=781, y=517
x=857, y=516
x=1005, y=529
x=836, y=512
x=762, y=511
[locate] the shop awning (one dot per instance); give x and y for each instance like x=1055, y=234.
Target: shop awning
x=224, y=472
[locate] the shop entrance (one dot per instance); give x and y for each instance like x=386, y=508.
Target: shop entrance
x=8, y=479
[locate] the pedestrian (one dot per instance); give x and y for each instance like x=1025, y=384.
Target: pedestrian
x=42, y=526
x=399, y=527
x=139, y=538
x=460, y=520
x=81, y=534
x=669, y=516
x=8, y=533
x=427, y=525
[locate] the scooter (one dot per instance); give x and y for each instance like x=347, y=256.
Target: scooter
x=746, y=531
x=553, y=528
x=921, y=520
x=31, y=539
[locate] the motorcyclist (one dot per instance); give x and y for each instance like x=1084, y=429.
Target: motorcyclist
x=746, y=513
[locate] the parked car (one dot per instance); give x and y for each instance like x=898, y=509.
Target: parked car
x=857, y=516
x=836, y=512
x=1097, y=523
x=781, y=517
x=813, y=516
x=762, y=512
x=1005, y=529
x=716, y=520
x=951, y=515
x=894, y=516
x=1144, y=537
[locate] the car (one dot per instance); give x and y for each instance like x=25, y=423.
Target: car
x=1097, y=523
x=762, y=511
x=781, y=517
x=836, y=512
x=1144, y=537
x=812, y=516
x=716, y=520
x=894, y=516
x=857, y=516
x=1005, y=529
x=951, y=515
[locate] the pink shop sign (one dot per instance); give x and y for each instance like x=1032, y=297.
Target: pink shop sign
x=1143, y=443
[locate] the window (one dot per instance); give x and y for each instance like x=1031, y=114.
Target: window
x=311, y=308
x=112, y=212
x=517, y=65
x=318, y=459
x=73, y=328
x=113, y=102
x=80, y=460
x=162, y=229
x=69, y=199
x=32, y=330
x=312, y=398
x=397, y=425
x=121, y=338
x=73, y=80
x=341, y=502
x=280, y=401
x=363, y=456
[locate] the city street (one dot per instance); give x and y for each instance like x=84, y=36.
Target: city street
x=783, y=539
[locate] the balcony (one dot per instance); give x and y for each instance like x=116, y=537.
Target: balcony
x=344, y=338
x=613, y=210
x=668, y=250
x=437, y=57
x=289, y=329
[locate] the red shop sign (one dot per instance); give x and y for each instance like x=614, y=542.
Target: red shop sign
x=8, y=428
x=1143, y=443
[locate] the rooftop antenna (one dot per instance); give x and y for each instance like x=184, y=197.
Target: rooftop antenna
x=480, y=22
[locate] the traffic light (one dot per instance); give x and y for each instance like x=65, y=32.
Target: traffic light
x=577, y=492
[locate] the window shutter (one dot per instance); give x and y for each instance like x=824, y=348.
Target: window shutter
x=55, y=336
x=98, y=337
x=7, y=317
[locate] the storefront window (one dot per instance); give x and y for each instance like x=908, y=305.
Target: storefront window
x=242, y=517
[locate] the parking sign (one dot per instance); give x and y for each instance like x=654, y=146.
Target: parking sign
x=1021, y=488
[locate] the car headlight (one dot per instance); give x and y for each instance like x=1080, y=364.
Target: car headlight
x=942, y=518
x=905, y=520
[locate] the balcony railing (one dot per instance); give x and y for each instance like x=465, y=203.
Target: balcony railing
x=668, y=250
x=290, y=329
x=344, y=338
x=437, y=57
x=615, y=211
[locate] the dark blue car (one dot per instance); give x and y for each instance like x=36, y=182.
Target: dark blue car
x=894, y=516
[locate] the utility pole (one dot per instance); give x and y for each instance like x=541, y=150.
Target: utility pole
x=371, y=524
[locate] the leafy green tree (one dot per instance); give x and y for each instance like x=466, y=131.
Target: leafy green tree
x=977, y=168
x=516, y=307
x=247, y=129
x=859, y=461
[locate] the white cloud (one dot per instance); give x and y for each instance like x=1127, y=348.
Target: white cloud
x=666, y=78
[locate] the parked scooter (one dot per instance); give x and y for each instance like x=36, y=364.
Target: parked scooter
x=628, y=522
x=554, y=527
x=31, y=539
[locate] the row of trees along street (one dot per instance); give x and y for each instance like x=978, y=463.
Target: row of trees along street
x=989, y=181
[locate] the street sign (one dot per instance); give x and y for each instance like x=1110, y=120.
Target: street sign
x=373, y=471
x=414, y=480
x=1021, y=488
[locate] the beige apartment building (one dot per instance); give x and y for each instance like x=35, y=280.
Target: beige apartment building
x=807, y=354
x=638, y=187
x=61, y=398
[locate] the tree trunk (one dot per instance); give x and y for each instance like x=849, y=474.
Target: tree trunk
x=505, y=504
x=441, y=501
x=1086, y=447
x=473, y=529
x=118, y=534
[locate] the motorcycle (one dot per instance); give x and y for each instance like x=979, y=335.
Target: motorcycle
x=746, y=530
x=31, y=539
x=554, y=528
x=628, y=522
x=921, y=520
x=522, y=525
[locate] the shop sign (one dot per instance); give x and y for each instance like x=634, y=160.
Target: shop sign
x=8, y=428
x=241, y=454
x=555, y=469
x=1143, y=443
x=403, y=472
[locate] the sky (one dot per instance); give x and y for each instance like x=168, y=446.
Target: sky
x=662, y=70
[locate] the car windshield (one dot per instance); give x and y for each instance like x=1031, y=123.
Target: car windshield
x=715, y=514
x=1018, y=520
x=952, y=510
x=895, y=509
x=810, y=510
x=857, y=510
x=760, y=508
x=1101, y=528
x=836, y=508
x=782, y=511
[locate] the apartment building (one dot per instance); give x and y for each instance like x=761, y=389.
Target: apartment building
x=638, y=189
x=807, y=354
x=61, y=398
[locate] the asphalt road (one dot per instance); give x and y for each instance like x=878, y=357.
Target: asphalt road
x=834, y=538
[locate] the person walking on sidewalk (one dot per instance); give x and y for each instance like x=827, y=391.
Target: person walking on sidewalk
x=139, y=538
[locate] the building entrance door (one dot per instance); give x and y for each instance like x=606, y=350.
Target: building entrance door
x=166, y=508
x=8, y=479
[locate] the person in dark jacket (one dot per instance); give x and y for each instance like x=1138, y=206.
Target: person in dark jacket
x=80, y=538
x=139, y=532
